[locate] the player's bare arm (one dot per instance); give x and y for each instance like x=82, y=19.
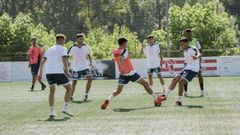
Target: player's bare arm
x=39, y=76
x=90, y=59
x=161, y=58
x=65, y=64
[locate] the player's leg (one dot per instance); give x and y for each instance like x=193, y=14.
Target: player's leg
x=74, y=83
x=88, y=86
x=34, y=78
x=114, y=94
x=150, y=79
x=150, y=76
x=187, y=77
x=161, y=81
x=181, y=84
x=200, y=78
x=137, y=78
x=172, y=86
x=122, y=81
x=186, y=89
x=62, y=79
x=52, y=100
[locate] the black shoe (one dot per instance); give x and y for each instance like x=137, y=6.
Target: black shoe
x=178, y=103
x=85, y=98
x=71, y=98
x=32, y=88
x=43, y=87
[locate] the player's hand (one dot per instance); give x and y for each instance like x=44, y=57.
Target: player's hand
x=68, y=74
x=161, y=63
x=39, y=77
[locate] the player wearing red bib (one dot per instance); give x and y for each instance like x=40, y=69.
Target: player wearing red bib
x=35, y=56
x=127, y=73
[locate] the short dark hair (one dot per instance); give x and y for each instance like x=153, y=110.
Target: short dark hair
x=79, y=35
x=188, y=30
x=122, y=41
x=150, y=36
x=59, y=36
x=184, y=39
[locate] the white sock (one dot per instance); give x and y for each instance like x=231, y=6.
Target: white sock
x=154, y=96
x=167, y=93
x=179, y=98
x=51, y=108
x=110, y=97
x=65, y=105
x=86, y=94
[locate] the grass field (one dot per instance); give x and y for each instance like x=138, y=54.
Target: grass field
x=132, y=113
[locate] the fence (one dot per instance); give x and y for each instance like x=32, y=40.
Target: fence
x=212, y=66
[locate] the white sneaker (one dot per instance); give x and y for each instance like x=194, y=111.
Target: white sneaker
x=185, y=94
x=53, y=113
x=67, y=111
x=202, y=93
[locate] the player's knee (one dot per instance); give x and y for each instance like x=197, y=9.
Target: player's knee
x=182, y=82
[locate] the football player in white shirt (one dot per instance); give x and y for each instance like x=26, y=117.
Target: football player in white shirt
x=193, y=42
x=80, y=66
x=154, y=64
x=192, y=56
x=56, y=62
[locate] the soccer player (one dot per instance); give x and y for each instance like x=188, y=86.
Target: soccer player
x=193, y=42
x=57, y=71
x=35, y=56
x=152, y=51
x=192, y=57
x=80, y=67
x=127, y=73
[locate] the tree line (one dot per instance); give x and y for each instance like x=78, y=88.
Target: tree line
x=103, y=21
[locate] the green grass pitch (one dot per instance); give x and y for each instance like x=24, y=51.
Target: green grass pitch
x=132, y=113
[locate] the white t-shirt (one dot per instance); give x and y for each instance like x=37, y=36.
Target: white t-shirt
x=192, y=64
x=54, y=56
x=79, y=54
x=152, y=53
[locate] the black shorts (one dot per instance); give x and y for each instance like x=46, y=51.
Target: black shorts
x=59, y=79
x=156, y=70
x=80, y=74
x=34, y=69
x=123, y=80
x=187, y=75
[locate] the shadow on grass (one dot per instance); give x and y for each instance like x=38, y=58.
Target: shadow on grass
x=193, y=106
x=35, y=91
x=81, y=102
x=194, y=96
x=131, y=109
x=50, y=119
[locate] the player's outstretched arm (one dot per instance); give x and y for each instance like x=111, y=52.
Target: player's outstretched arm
x=39, y=76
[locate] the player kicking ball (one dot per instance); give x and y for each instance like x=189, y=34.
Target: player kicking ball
x=153, y=51
x=56, y=62
x=192, y=57
x=80, y=67
x=127, y=73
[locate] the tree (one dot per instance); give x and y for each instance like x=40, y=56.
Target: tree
x=209, y=22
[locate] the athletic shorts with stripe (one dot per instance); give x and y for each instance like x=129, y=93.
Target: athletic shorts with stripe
x=187, y=75
x=123, y=80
